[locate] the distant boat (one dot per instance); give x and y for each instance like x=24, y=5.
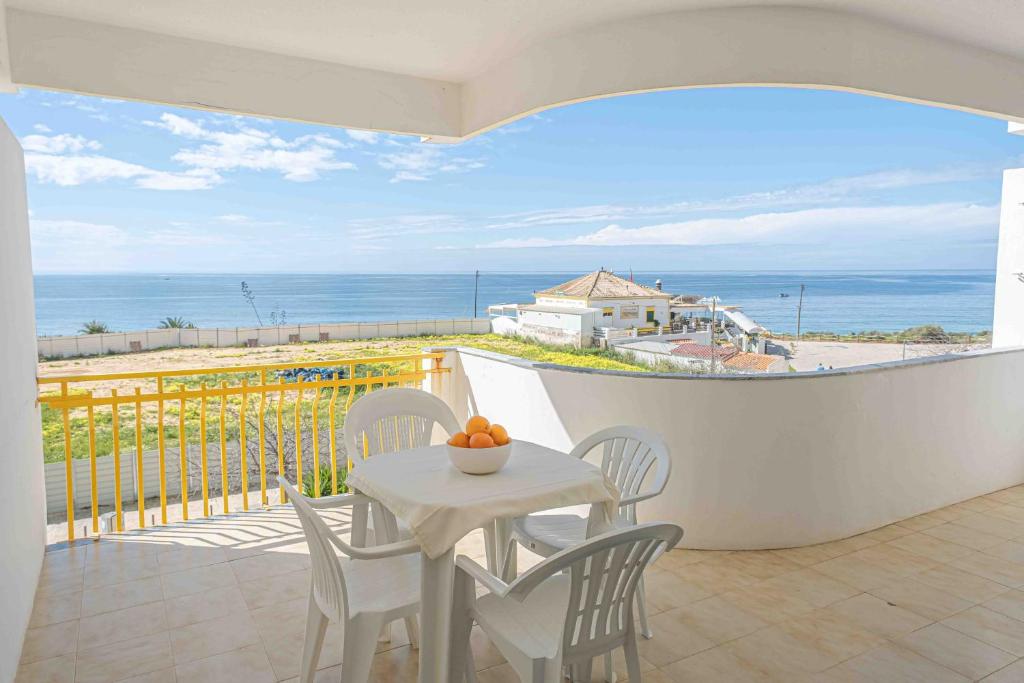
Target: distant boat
x=783, y=295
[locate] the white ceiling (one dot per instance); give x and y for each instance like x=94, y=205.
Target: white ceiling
x=456, y=40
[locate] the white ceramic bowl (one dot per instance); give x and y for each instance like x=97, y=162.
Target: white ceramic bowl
x=479, y=460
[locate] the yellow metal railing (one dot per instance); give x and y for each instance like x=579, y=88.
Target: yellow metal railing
x=224, y=397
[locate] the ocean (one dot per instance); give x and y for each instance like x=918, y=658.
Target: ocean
x=839, y=301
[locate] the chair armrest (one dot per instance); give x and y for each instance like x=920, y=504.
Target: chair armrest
x=482, y=576
x=340, y=500
x=636, y=498
x=376, y=552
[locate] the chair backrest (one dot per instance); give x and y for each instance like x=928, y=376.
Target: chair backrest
x=628, y=454
x=604, y=572
x=329, y=589
x=394, y=419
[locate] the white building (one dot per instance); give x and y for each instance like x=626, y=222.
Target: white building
x=575, y=311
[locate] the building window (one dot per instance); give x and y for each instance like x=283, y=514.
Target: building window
x=650, y=314
x=629, y=312
x=608, y=311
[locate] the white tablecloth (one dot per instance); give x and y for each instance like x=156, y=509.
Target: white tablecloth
x=441, y=504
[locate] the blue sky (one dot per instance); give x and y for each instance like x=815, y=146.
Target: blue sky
x=730, y=179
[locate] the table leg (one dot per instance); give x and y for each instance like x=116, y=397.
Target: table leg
x=435, y=615
x=502, y=536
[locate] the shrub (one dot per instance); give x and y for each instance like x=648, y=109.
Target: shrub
x=309, y=482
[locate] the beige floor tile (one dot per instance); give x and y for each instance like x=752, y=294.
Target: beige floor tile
x=719, y=620
x=857, y=572
x=121, y=596
x=400, y=664
x=993, y=568
x=1010, y=674
x=896, y=560
x=994, y=628
x=179, y=559
x=892, y=663
x=1010, y=603
x=957, y=651
x=212, y=637
x=191, y=609
x=887, y=533
x=54, y=670
x=275, y=589
x=158, y=676
x=127, y=658
x=197, y=580
x=50, y=641
x=811, y=586
x=282, y=628
x=759, y=564
x=498, y=674
x=808, y=555
x=485, y=654
x=771, y=604
x=667, y=590
x=715, y=579
x=53, y=609
x=980, y=504
x=246, y=665
x=931, y=547
x=832, y=634
x=962, y=584
x=269, y=564
x=919, y=523
x=992, y=525
x=1009, y=550
x=919, y=598
x=680, y=557
x=965, y=536
x=716, y=665
x=120, y=570
x=878, y=616
x=1011, y=513
x=673, y=639
x=124, y=624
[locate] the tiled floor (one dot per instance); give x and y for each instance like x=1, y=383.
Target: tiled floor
x=930, y=599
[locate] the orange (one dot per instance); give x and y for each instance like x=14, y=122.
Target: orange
x=477, y=424
x=481, y=440
x=499, y=434
x=459, y=440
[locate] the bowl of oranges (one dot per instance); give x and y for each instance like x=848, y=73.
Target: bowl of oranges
x=483, y=448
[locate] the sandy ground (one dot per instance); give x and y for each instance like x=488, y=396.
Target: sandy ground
x=807, y=355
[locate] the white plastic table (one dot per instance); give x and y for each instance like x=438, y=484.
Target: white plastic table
x=441, y=505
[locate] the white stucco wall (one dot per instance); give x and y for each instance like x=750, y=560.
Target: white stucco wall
x=781, y=460
x=1008, y=317
x=22, y=496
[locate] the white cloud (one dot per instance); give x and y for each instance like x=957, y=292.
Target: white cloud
x=420, y=162
x=233, y=218
x=827, y=192
x=72, y=170
x=367, y=136
x=834, y=225
x=58, y=144
x=373, y=229
x=301, y=159
x=42, y=128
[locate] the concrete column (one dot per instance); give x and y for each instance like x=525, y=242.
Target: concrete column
x=1008, y=319
x=22, y=489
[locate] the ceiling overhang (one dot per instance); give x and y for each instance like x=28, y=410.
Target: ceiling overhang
x=733, y=46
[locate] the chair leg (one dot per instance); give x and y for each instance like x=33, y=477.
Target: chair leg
x=641, y=604
x=583, y=672
x=412, y=627
x=490, y=547
x=632, y=658
x=313, y=642
x=360, y=646
x=609, y=669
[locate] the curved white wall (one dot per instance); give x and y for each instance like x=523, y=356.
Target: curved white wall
x=784, y=460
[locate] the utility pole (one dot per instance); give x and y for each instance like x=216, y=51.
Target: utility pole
x=799, y=310
x=714, y=306
x=476, y=290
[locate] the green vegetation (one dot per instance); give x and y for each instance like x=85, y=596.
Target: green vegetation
x=94, y=327
x=170, y=323
x=309, y=482
x=931, y=334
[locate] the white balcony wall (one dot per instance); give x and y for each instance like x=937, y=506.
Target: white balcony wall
x=1008, y=318
x=22, y=497
x=784, y=460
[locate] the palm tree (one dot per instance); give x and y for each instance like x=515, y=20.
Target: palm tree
x=94, y=327
x=175, y=323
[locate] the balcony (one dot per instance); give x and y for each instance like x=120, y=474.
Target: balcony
x=877, y=583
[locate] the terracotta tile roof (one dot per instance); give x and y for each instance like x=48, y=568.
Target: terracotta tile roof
x=751, y=361
x=602, y=284
x=704, y=351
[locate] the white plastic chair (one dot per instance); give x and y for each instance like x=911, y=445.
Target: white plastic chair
x=549, y=617
x=628, y=454
x=365, y=591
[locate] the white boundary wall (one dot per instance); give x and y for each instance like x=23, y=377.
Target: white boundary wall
x=121, y=342
x=776, y=461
